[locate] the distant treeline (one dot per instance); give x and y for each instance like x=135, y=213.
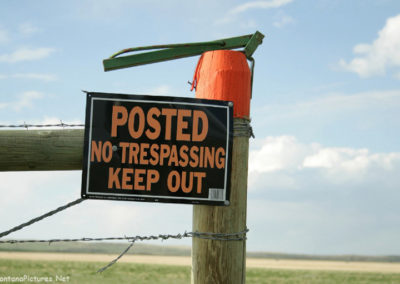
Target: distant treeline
x=143, y=249
x=371, y=258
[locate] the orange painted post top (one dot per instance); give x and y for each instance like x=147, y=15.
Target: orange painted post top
x=224, y=75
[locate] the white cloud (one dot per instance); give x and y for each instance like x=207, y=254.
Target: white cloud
x=346, y=158
x=26, y=54
x=350, y=161
x=242, y=8
x=4, y=37
x=105, y=9
x=332, y=104
x=258, y=5
x=375, y=58
x=283, y=20
x=27, y=29
x=287, y=155
x=25, y=100
x=163, y=90
x=277, y=153
x=33, y=76
x=319, y=199
x=249, y=24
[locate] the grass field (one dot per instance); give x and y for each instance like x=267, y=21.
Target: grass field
x=151, y=249
x=85, y=272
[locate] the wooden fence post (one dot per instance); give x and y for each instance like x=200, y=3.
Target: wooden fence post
x=41, y=150
x=224, y=75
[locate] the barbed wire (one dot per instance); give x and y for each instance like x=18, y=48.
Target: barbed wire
x=27, y=126
x=41, y=217
x=240, y=128
x=111, y=263
x=236, y=236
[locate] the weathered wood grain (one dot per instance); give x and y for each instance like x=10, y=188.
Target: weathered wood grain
x=41, y=150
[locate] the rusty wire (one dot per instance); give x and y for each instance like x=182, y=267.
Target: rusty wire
x=27, y=126
x=236, y=236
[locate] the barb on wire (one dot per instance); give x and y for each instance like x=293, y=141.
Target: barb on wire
x=27, y=126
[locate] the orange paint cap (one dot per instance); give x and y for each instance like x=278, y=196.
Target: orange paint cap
x=224, y=75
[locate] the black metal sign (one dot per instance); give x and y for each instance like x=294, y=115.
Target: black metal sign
x=158, y=149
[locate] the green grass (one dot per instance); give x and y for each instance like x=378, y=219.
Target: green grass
x=85, y=272
x=261, y=276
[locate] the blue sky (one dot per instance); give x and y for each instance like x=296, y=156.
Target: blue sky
x=325, y=163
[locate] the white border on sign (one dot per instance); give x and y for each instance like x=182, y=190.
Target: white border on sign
x=155, y=102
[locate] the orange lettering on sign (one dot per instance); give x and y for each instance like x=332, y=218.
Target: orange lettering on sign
x=119, y=117
x=183, y=153
x=132, y=179
x=113, y=179
x=164, y=153
x=200, y=177
x=182, y=125
x=106, y=153
x=168, y=113
x=101, y=151
x=173, y=186
x=139, y=179
x=153, y=176
x=136, y=114
x=126, y=178
x=220, y=158
x=144, y=147
x=153, y=123
x=154, y=154
x=96, y=151
x=176, y=181
x=133, y=153
x=187, y=188
x=197, y=116
x=194, y=157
